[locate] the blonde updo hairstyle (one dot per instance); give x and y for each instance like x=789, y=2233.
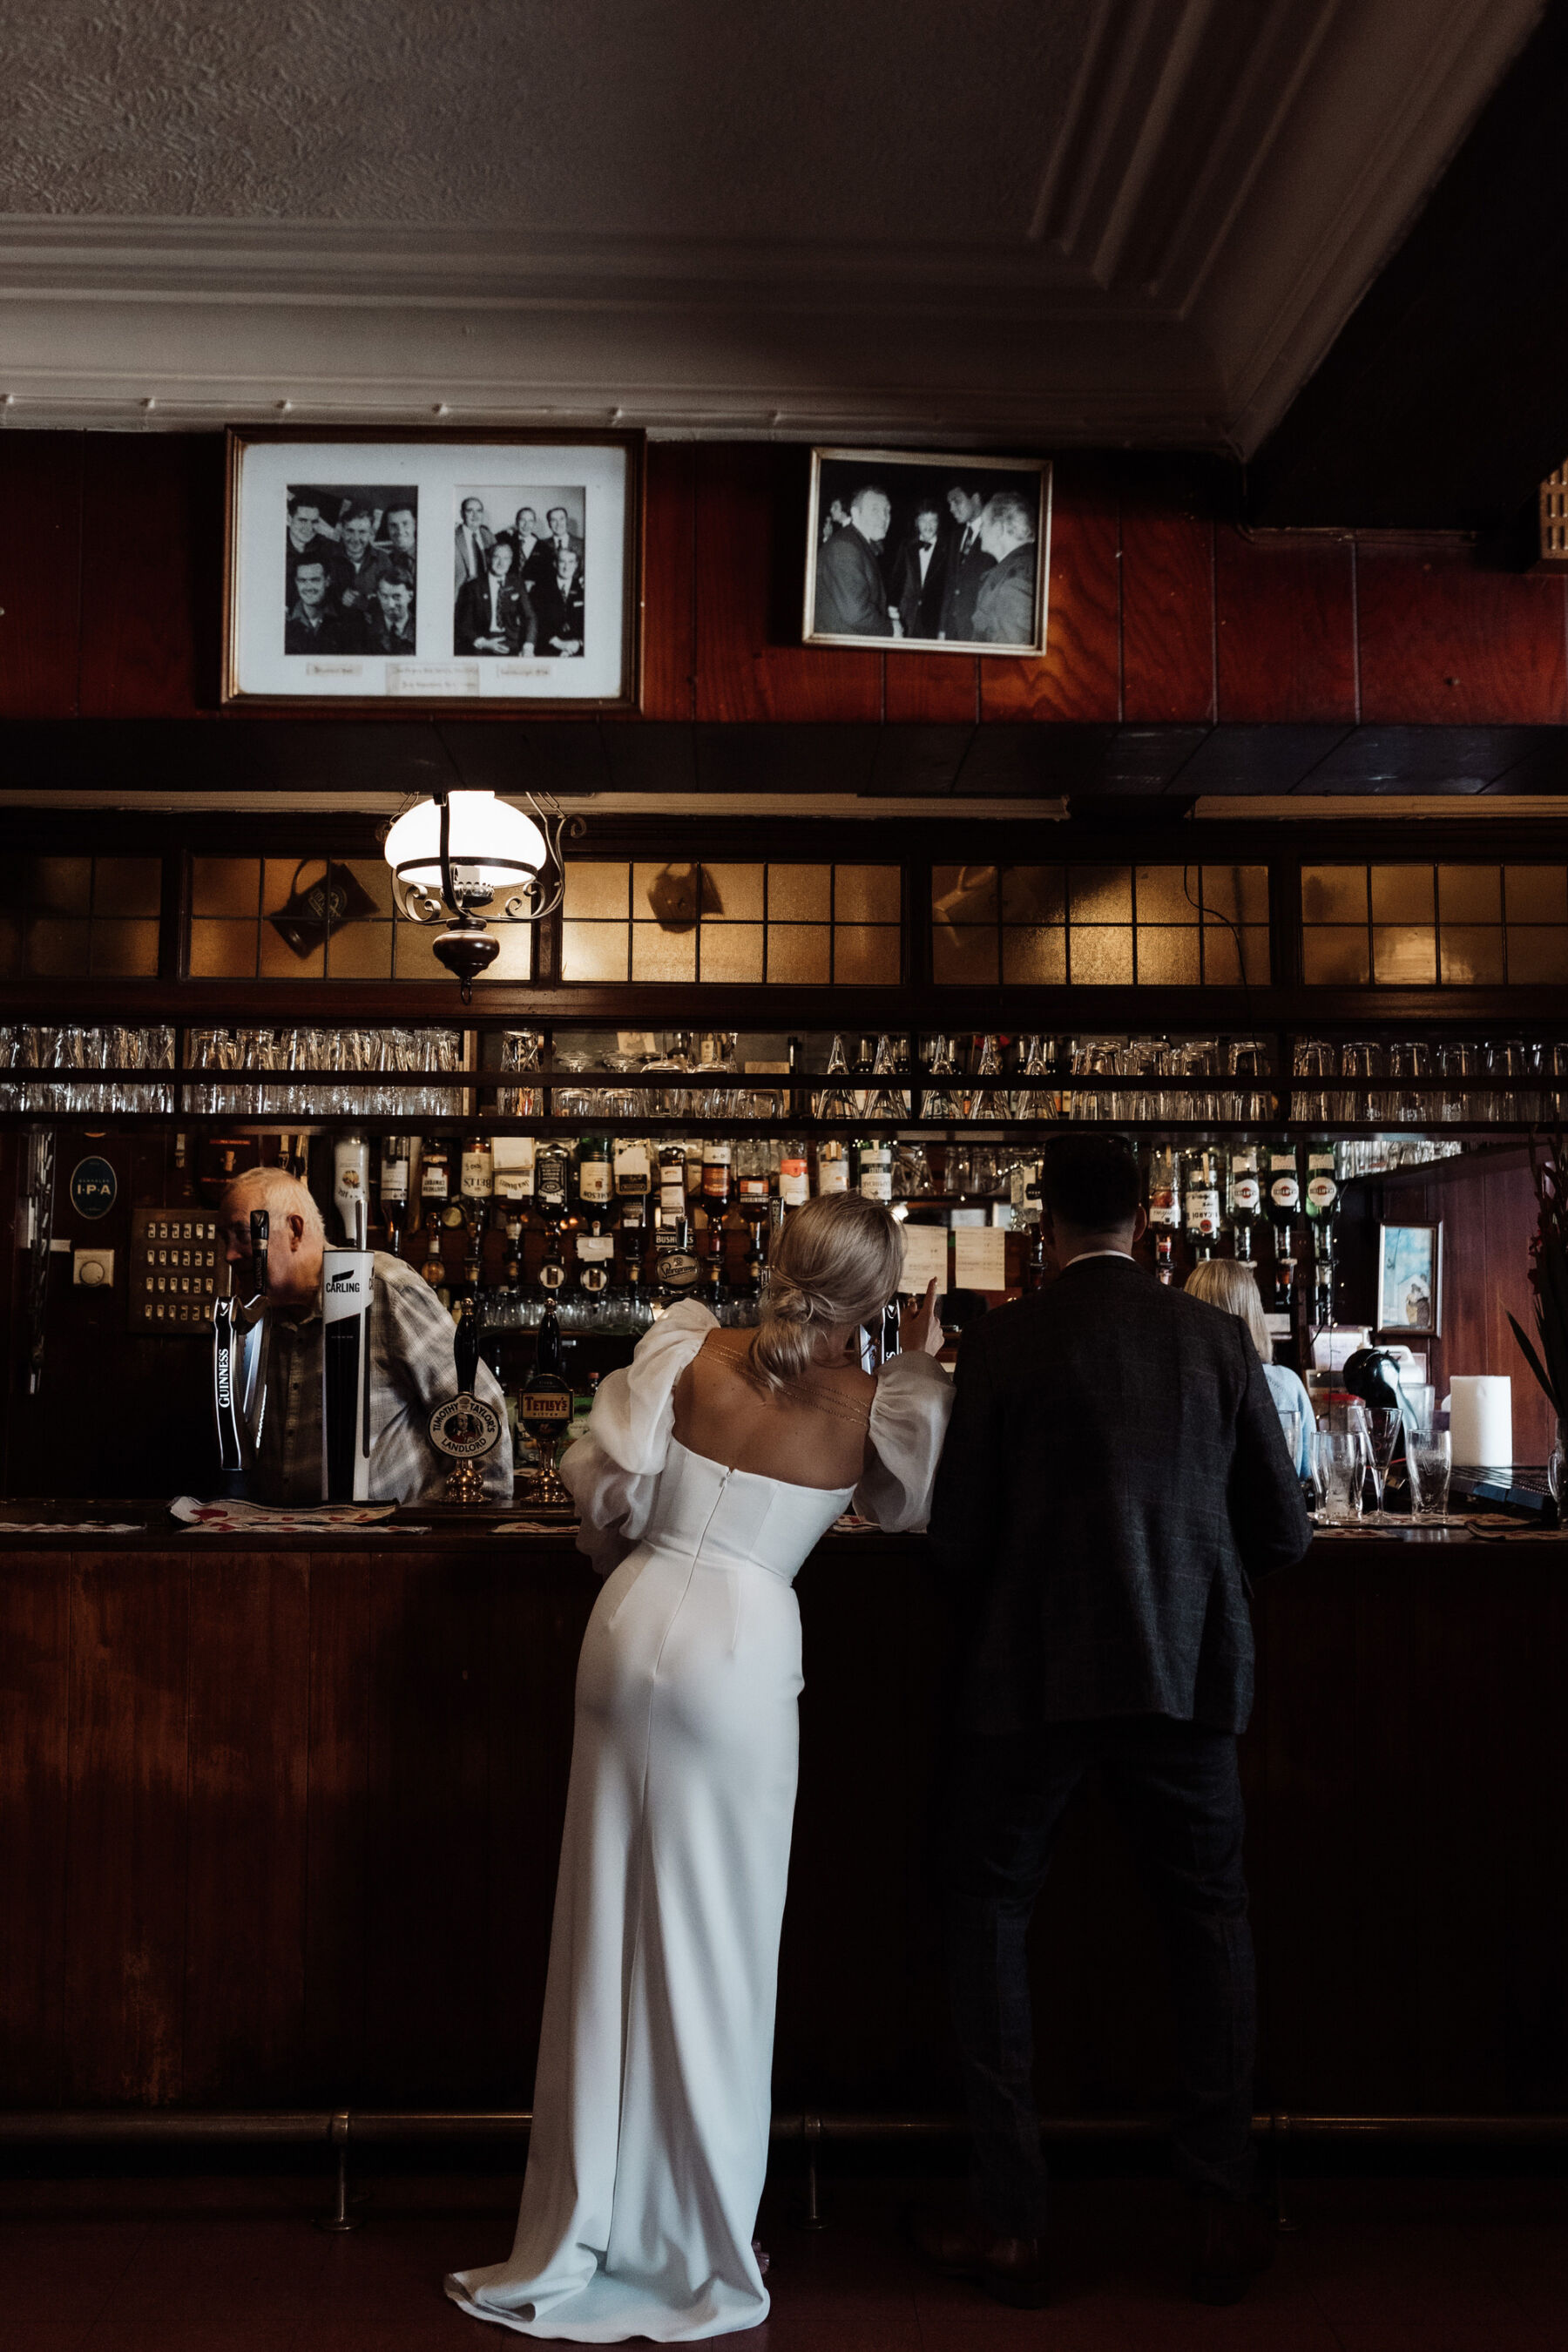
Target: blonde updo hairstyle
x=836, y=1262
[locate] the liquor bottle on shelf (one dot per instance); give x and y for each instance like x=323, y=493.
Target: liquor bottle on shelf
x=594, y=1177
x=794, y=1173
x=756, y=1265
x=672, y=1179
x=552, y=1265
x=1322, y=1204
x=398, y=1153
x=694, y=1148
x=633, y=1168
x=544, y=1407
x=476, y=1186
x=675, y=1270
x=435, y=1178
x=434, y=1268
x=1245, y=1203
x=717, y=1175
x=874, y=1168
x=1164, y=1209
x=1284, y=1201
x=832, y=1165
x=751, y=1168
x=512, y=1261
x=551, y=1180
x=1201, y=1201
x=596, y=1258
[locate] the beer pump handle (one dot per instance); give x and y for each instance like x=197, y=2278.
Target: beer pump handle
x=260, y=1235
x=466, y=1348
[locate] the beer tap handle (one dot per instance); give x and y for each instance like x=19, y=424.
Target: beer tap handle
x=260, y=1237
x=466, y=1348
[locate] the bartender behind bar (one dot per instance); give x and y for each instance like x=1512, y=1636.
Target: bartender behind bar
x=413, y=1367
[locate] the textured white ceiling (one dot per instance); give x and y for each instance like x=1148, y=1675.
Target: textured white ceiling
x=1069, y=220
x=679, y=118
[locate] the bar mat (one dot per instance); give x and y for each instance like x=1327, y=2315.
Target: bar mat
x=73, y=1526
x=223, y=1519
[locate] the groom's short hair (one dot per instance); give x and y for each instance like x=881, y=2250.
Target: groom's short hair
x=1090, y=1182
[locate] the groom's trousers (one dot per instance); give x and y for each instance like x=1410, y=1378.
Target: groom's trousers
x=1175, y=1789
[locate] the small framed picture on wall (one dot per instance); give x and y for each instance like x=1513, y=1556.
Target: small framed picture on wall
x=1410, y=1280
x=928, y=553
x=364, y=569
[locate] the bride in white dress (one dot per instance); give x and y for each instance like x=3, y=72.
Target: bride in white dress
x=712, y=1465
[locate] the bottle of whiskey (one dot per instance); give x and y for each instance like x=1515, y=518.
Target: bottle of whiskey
x=1164, y=1210
x=1284, y=1201
x=434, y=1268
x=435, y=1178
x=677, y=1272
x=672, y=1179
x=397, y=1156
x=596, y=1258
x=794, y=1173
x=551, y=1183
x=595, y=1180
x=1245, y=1197
x=1201, y=1201
x=717, y=1175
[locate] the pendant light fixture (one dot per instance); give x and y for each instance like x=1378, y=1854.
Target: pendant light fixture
x=469, y=859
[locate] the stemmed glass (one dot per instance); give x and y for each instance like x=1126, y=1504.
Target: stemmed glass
x=1383, y=1422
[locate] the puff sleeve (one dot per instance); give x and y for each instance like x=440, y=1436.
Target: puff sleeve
x=613, y=1471
x=908, y=1422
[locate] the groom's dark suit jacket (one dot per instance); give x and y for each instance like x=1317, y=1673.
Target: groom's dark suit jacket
x=1114, y=1476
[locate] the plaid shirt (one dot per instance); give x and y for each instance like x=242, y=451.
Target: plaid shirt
x=413, y=1369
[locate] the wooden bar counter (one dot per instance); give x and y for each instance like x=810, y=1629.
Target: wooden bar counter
x=280, y=1821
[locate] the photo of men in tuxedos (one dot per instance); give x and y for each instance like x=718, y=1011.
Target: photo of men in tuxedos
x=969, y=564
x=530, y=549
x=561, y=535
x=852, y=598
x=900, y=546
x=918, y=577
x=1005, y=600
x=472, y=541
x=494, y=615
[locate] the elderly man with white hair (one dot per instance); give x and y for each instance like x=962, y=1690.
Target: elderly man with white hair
x=1005, y=600
x=852, y=598
x=413, y=1367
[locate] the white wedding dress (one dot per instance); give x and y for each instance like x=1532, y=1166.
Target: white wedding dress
x=652, y=2101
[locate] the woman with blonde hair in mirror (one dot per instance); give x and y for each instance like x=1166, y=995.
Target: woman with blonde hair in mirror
x=712, y=1465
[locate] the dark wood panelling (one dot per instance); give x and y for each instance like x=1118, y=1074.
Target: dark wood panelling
x=151, y=575
x=1408, y=1855
x=1443, y=641
x=669, y=659
x=35, y=1606
x=245, y=1943
x=751, y=565
x=40, y=573
x=337, y=1822
x=1167, y=600
x=429, y=1854
x=1079, y=675
x=1285, y=629
x=933, y=689
x=130, y=1796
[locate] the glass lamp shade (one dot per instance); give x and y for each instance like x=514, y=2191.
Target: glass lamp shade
x=493, y=849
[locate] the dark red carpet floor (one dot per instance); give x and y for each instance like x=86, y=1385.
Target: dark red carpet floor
x=155, y=2265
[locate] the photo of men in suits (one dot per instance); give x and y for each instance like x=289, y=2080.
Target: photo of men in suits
x=919, y=575
x=494, y=615
x=560, y=605
x=852, y=598
x=473, y=540
x=900, y=546
x=386, y=627
x=1005, y=600
x=342, y=541
x=538, y=598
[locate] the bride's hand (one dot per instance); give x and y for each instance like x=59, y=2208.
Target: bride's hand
x=919, y=1329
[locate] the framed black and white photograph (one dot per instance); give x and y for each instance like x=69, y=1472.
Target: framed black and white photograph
x=337, y=586
x=934, y=554
x=1410, y=1279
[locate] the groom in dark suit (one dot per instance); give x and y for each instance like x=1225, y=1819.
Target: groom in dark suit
x=1114, y=1477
